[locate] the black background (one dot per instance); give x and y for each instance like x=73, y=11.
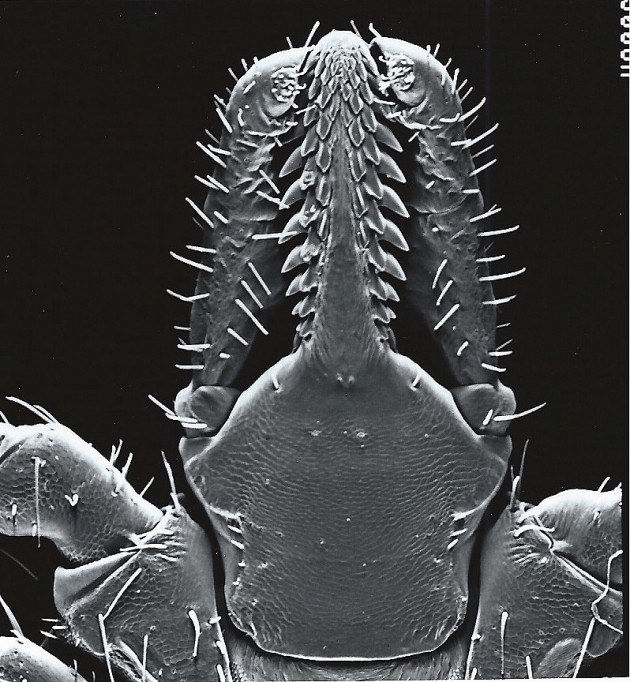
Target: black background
x=100, y=106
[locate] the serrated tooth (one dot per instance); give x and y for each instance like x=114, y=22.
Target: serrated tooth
x=334, y=106
x=382, y=313
x=303, y=282
x=392, y=294
x=310, y=279
x=385, y=135
x=346, y=89
x=371, y=150
x=294, y=259
x=311, y=246
x=309, y=305
x=390, y=169
x=323, y=158
x=304, y=307
x=376, y=285
x=366, y=93
x=305, y=326
x=293, y=194
x=310, y=210
x=375, y=221
x=314, y=89
x=320, y=65
x=293, y=163
x=322, y=70
x=356, y=103
x=381, y=289
x=392, y=201
x=363, y=75
x=309, y=174
x=394, y=236
x=309, y=145
x=310, y=115
x=392, y=267
x=323, y=126
x=322, y=227
x=353, y=77
x=324, y=97
x=356, y=133
x=310, y=213
x=357, y=165
x=359, y=205
x=376, y=255
x=372, y=184
x=369, y=63
x=369, y=120
x=324, y=190
x=293, y=226
x=295, y=286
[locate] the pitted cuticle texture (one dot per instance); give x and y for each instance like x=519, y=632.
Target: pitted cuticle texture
x=241, y=267
x=54, y=484
x=444, y=203
x=159, y=587
x=539, y=612
x=342, y=522
x=344, y=526
x=353, y=482
x=22, y=660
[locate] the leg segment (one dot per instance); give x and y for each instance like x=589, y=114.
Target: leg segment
x=140, y=590
x=21, y=659
x=550, y=579
x=53, y=484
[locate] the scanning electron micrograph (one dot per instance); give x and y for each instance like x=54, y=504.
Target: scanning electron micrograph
x=350, y=501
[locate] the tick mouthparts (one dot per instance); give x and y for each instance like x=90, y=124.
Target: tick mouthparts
x=371, y=221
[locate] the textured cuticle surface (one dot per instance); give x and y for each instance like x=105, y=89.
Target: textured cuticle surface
x=345, y=523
